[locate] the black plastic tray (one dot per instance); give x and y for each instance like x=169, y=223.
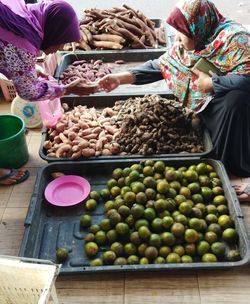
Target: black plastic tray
x=48, y=227
x=169, y=34
x=100, y=101
x=131, y=60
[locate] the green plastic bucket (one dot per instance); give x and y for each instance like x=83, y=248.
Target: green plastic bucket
x=13, y=146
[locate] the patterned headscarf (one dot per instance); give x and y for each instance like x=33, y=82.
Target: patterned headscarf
x=223, y=42
x=38, y=26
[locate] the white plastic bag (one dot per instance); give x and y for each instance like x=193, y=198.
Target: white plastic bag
x=50, y=111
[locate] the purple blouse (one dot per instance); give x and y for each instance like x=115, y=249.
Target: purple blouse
x=19, y=66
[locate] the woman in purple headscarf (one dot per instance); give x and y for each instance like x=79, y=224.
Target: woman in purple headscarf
x=25, y=30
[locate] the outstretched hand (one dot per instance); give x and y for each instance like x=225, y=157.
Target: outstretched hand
x=81, y=87
x=204, y=82
x=109, y=83
x=41, y=73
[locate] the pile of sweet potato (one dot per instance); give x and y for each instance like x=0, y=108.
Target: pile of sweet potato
x=83, y=132
x=89, y=70
x=117, y=28
x=147, y=125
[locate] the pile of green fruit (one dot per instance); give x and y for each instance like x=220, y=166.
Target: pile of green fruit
x=156, y=214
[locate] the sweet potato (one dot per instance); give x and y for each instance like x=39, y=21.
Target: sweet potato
x=60, y=151
x=53, y=134
x=88, y=152
x=83, y=45
x=106, y=152
x=63, y=138
x=75, y=148
x=47, y=144
x=72, y=135
x=76, y=155
x=107, y=45
x=114, y=148
x=83, y=144
x=51, y=154
x=83, y=125
x=109, y=37
x=90, y=136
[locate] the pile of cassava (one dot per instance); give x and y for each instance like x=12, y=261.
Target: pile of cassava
x=145, y=126
x=118, y=28
x=82, y=69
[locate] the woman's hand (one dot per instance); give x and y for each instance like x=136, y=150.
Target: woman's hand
x=112, y=81
x=109, y=82
x=204, y=82
x=40, y=72
x=81, y=87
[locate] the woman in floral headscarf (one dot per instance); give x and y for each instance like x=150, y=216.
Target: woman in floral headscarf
x=223, y=102
x=25, y=30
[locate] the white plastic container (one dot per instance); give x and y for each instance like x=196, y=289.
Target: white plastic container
x=27, y=281
x=28, y=110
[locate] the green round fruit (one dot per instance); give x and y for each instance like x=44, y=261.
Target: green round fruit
x=120, y=261
x=168, y=238
x=230, y=235
x=96, y=262
x=105, y=194
x=149, y=214
x=151, y=253
x=218, y=248
x=62, y=254
x=117, y=248
x=111, y=183
x=209, y=258
x=100, y=237
x=173, y=258
x=108, y=257
x=144, y=233
x=122, y=228
x=186, y=259
x=117, y=173
x=85, y=220
x=137, y=211
x=91, y=249
x=130, y=249
x=162, y=187
x=202, y=248
x=91, y=204
x=95, y=195
x=94, y=228
x=155, y=240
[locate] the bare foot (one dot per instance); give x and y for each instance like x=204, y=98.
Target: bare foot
x=10, y=177
x=243, y=191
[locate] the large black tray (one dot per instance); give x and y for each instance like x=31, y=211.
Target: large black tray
x=169, y=34
x=48, y=227
x=100, y=101
x=131, y=60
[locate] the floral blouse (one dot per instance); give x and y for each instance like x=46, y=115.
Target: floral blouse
x=19, y=66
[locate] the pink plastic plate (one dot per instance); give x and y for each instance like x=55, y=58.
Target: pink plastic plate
x=67, y=190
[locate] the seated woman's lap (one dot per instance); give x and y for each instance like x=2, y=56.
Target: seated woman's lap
x=227, y=119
